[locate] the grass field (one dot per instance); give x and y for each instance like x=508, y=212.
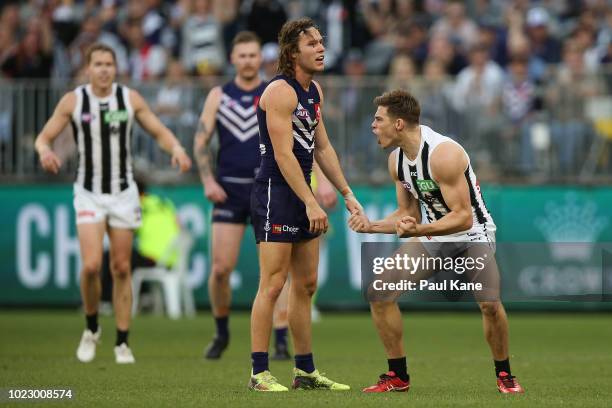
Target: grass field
x=561, y=360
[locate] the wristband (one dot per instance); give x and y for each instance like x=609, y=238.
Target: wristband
x=347, y=192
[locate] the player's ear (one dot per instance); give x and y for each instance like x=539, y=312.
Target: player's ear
x=399, y=124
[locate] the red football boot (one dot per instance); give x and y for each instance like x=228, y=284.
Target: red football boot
x=389, y=382
x=507, y=384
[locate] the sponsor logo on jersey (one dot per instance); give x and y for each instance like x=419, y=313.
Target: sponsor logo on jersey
x=317, y=108
x=302, y=113
x=413, y=174
x=406, y=185
x=427, y=185
x=87, y=117
x=280, y=228
x=220, y=212
x=256, y=101
x=262, y=148
x=86, y=213
x=116, y=116
x=246, y=98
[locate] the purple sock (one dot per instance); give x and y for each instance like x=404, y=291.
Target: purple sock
x=260, y=362
x=305, y=362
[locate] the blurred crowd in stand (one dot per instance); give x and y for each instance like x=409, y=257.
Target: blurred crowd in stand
x=521, y=83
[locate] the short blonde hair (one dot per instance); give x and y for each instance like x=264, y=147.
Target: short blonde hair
x=99, y=47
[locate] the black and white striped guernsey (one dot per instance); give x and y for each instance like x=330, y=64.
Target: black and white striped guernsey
x=102, y=129
x=416, y=177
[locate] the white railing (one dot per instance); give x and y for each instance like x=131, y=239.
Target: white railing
x=535, y=149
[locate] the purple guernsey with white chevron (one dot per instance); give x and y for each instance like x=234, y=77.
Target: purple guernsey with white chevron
x=305, y=119
x=238, y=155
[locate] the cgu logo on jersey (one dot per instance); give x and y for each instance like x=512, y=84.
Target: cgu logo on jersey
x=116, y=116
x=427, y=185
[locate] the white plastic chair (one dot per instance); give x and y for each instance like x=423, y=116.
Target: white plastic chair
x=177, y=294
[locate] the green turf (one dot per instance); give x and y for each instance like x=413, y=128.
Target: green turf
x=561, y=360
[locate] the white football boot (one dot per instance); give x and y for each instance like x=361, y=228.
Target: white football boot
x=123, y=354
x=87, y=347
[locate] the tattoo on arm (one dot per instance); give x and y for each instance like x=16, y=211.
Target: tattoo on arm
x=202, y=151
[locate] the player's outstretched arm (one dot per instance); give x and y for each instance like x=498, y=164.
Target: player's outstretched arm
x=407, y=205
x=166, y=140
x=327, y=159
x=279, y=101
x=201, y=146
x=54, y=126
x=448, y=164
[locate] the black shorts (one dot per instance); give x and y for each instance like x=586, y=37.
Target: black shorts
x=237, y=208
x=278, y=214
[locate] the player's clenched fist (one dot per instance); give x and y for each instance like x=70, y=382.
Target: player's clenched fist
x=406, y=227
x=359, y=223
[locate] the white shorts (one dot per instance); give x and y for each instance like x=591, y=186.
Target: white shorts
x=118, y=210
x=475, y=237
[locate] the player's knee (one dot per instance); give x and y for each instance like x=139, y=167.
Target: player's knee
x=489, y=308
x=311, y=286
x=221, y=272
x=273, y=291
x=308, y=285
x=91, y=269
x=120, y=269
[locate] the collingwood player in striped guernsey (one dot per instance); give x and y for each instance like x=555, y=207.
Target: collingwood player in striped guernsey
x=102, y=115
x=433, y=176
